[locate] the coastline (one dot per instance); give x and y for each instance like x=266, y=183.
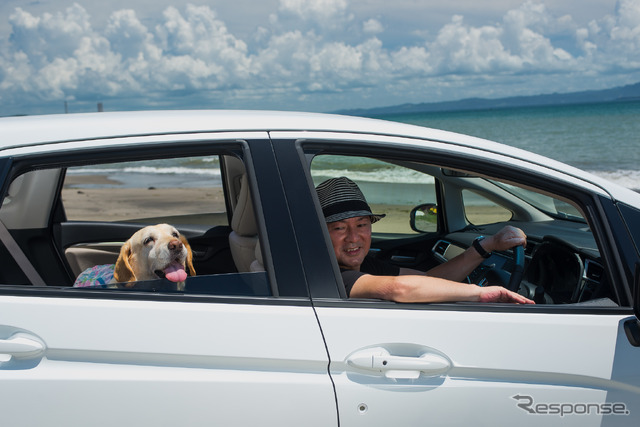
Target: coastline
x=110, y=201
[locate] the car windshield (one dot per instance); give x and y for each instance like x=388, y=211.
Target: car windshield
x=547, y=204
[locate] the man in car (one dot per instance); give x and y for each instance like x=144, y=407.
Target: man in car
x=349, y=220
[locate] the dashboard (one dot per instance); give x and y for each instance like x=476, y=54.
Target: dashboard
x=556, y=272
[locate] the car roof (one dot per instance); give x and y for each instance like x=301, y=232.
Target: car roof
x=30, y=131
x=33, y=130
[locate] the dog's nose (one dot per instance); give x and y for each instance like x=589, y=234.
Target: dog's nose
x=174, y=245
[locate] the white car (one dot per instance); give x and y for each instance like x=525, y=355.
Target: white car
x=264, y=334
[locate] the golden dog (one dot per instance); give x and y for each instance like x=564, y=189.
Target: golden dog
x=155, y=252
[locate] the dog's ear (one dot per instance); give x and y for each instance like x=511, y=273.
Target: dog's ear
x=123, y=271
x=190, y=269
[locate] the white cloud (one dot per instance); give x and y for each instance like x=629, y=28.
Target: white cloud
x=462, y=49
x=321, y=10
x=372, y=26
x=127, y=35
x=613, y=42
x=45, y=38
x=305, y=50
x=58, y=56
x=321, y=16
x=628, y=13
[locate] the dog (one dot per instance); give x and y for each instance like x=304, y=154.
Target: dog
x=154, y=252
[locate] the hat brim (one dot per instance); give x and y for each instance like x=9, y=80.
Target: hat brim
x=354, y=214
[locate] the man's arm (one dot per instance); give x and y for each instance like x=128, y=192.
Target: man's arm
x=458, y=268
x=429, y=289
x=442, y=283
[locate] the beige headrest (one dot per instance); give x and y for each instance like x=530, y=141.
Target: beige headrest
x=243, y=221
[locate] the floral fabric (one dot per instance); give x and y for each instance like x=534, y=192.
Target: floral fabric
x=95, y=277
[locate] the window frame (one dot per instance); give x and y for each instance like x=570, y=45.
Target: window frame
x=164, y=147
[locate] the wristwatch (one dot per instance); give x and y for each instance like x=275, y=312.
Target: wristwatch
x=478, y=247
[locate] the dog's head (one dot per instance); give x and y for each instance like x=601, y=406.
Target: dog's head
x=156, y=251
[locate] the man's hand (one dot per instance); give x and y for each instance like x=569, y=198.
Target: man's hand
x=500, y=294
x=505, y=239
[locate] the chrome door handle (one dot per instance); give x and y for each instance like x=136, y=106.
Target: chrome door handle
x=21, y=346
x=378, y=359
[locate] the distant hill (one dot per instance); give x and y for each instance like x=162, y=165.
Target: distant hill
x=617, y=94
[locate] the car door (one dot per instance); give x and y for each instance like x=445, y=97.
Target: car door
x=105, y=357
x=453, y=365
x=470, y=363
x=103, y=361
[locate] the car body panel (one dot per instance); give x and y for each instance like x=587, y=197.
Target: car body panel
x=127, y=141
x=113, y=362
x=56, y=128
x=493, y=357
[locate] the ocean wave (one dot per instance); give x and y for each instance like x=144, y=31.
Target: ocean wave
x=177, y=170
x=625, y=178
x=149, y=170
x=391, y=176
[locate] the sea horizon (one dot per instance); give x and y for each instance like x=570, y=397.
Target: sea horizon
x=599, y=138
x=602, y=139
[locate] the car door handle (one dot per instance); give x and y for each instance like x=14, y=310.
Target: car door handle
x=21, y=346
x=380, y=360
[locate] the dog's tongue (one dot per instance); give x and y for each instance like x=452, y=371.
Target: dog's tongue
x=175, y=272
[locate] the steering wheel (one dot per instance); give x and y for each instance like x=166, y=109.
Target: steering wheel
x=518, y=269
x=484, y=275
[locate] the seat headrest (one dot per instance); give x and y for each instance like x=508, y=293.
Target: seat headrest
x=243, y=221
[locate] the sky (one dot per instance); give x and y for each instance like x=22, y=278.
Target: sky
x=306, y=55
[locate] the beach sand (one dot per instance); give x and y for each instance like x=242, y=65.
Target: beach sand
x=201, y=205
x=130, y=204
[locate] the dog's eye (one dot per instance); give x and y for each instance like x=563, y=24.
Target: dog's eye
x=148, y=240
x=176, y=234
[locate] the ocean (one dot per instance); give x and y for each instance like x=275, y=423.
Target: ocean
x=603, y=139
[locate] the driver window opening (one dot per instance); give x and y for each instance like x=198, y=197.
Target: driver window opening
x=556, y=228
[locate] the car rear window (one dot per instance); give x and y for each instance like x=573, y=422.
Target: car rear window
x=187, y=190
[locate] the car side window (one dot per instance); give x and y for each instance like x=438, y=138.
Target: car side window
x=110, y=227
x=481, y=211
x=389, y=188
x=434, y=213
x=188, y=190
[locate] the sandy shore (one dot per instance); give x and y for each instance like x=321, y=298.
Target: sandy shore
x=159, y=204
x=128, y=204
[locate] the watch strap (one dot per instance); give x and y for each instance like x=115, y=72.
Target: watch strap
x=478, y=247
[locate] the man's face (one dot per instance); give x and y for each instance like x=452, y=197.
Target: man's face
x=351, y=240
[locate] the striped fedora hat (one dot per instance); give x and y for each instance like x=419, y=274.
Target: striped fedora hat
x=340, y=198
